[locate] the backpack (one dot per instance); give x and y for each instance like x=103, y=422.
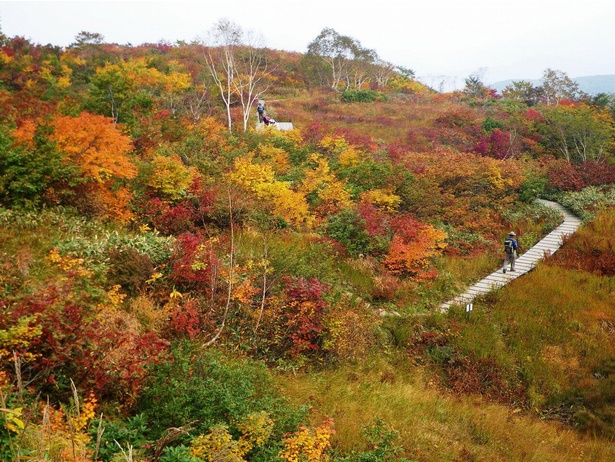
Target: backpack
x=508, y=246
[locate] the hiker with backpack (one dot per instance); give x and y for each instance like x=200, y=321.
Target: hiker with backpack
x=261, y=112
x=510, y=250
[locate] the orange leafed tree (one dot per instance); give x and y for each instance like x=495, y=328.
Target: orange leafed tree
x=93, y=143
x=413, y=245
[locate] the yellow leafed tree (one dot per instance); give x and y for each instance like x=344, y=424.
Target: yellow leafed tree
x=170, y=176
x=331, y=191
x=283, y=200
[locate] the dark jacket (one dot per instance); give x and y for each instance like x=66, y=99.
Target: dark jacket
x=514, y=242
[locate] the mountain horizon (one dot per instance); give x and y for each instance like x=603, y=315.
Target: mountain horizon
x=591, y=84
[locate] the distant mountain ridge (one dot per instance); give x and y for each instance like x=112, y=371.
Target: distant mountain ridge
x=591, y=84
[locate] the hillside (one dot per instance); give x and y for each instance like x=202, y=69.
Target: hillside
x=180, y=283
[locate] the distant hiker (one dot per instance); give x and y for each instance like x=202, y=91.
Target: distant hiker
x=261, y=112
x=510, y=250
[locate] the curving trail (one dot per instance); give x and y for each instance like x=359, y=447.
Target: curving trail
x=549, y=244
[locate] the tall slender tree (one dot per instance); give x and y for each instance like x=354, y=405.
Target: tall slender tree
x=253, y=70
x=346, y=59
x=556, y=86
x=578, y=133
x=523, y=91
x=238, y=66
x=224, y=40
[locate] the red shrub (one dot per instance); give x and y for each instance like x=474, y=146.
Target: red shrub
x=533, y=114
x=407, y=227
x=114, y=362
x=356, y=138
x=314, y=133
x=397, y=150
x=592, y=249
x=564, y=175
x=194, y=263
x=456, y=118
x=102, y=352
x=495, y=145
x=169, y=218
x=419, y=140
x=483, y=376
x=376, y=221
x=572, y=177
x=185, y=320
x=203, y=199
x=179, y=218
x=597, y=173
x=304, y=311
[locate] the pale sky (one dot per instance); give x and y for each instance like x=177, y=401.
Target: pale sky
x=443, y=41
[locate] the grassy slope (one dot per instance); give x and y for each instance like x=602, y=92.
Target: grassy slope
x=433, y=425
x=385, y=121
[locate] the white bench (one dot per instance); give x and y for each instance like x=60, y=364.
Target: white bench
x=284, y=126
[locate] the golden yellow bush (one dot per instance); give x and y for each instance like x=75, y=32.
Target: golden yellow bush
x=308, y=445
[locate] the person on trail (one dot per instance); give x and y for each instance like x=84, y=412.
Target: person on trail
x=261, y=112
x=510, y=249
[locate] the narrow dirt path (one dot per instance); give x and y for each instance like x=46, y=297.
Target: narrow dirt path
x=548, y=245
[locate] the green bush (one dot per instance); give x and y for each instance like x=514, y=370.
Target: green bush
x=204, y=388
x=348, y=228
x=381, y=442
x=491, y=124
x=533, y=187
x=586, y=202
x=94, y=249
x=362, y=96
x=371, y=174
x=86, y=238
x=179, y=453
x=27, y=176
x=130, y=431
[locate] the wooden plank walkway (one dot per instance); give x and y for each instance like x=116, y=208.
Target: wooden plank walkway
x=548, y=245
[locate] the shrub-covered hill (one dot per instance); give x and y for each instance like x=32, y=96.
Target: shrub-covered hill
x=178, y=283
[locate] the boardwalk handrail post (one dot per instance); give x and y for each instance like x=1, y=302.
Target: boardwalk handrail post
x=469, y=307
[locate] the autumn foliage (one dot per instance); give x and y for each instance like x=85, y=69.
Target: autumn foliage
x=413, y=244
x=160, y=264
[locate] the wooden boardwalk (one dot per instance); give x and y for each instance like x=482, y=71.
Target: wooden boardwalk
x=548, y=245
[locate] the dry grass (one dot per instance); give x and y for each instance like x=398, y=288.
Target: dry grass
x=470, y=269
x=433, y=426
x=551, y=312
x=385, y=121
